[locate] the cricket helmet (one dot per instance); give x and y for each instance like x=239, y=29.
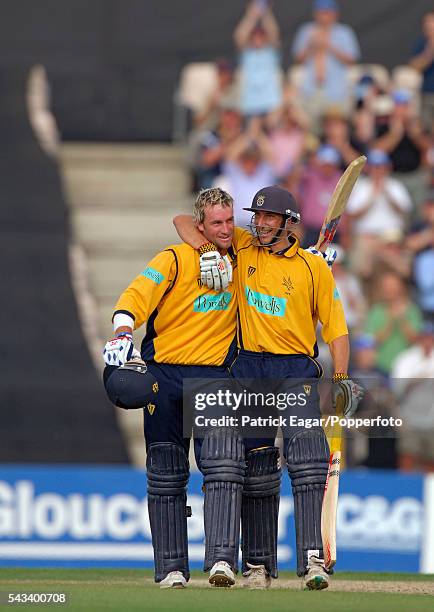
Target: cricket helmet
x=276, y=200
x=131, y=385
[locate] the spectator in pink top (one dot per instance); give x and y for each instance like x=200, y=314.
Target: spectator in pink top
x=288, y=140
x=317, y=186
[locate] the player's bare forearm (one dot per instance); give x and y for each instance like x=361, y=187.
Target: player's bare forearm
x=340, y=352
x=188, y=232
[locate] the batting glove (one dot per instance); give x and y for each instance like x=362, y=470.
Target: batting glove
x=119, y=350
x=346, y=395
x=329, y=254
x=215, y=270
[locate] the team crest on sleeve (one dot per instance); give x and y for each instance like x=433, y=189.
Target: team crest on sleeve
x=250, y=270
x=151, y=408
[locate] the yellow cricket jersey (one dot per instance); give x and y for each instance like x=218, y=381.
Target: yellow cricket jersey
x=186, y=322
x=282, y=297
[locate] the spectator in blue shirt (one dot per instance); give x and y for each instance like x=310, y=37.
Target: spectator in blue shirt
x=257, y=38
x=325, y=48
x=420, y=243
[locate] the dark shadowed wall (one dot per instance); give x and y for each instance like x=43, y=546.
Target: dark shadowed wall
x=114, y=64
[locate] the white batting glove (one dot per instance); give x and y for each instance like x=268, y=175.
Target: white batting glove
x=329, y=254
x=215, y=270
x=346, y=396
x=119, y=350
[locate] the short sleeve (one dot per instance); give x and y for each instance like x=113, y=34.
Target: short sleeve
x=301, y=39
x=143, y=295
x=242, y=238
x=329, y=305
x=348, y=42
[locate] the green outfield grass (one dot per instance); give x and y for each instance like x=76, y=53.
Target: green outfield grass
x=134, y=590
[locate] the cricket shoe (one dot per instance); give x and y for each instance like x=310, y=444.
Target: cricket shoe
x=173, y=580
x=257, y=577
x=317, y=577
x=221, y=575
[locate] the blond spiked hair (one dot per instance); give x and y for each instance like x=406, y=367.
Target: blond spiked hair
x=210, y=197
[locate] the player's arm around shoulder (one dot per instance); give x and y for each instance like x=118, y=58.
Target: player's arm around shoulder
x=242, y=238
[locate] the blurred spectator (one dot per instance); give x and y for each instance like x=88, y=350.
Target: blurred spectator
x=374, y=448
x=402, y=138
x=350, y=290
x=213, y=146
x=393, y=320
x=317, y=185
x=336, y=133
x=413, y=383
x=391, y=254
x=430, y=160
x=420, y=243
x=363, y=120
x=246, y=169
x=379, y=204
x=288, y=139
x=257, y=37
x=423, y=61
x=291, y=181
x=41, y=118
x=325, y=48
x=225, y=96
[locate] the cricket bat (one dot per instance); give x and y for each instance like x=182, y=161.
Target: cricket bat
x=336, y=207
x=330, y=500
x=338, y=202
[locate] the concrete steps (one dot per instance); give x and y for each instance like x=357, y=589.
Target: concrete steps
x=123, y=176
x=122, y=199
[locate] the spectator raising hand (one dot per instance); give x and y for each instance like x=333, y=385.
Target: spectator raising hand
x=325, y=48
x=257, y=38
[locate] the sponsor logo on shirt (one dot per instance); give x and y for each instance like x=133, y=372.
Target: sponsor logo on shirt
x=153, y=275
x=266, y=304
x=209, y=302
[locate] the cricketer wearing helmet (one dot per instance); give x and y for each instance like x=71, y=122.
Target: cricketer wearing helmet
x=283, y=291
x=190, y=333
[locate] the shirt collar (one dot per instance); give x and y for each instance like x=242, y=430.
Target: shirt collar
x=289, y=251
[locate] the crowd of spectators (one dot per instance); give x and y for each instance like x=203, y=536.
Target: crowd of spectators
x=257, y=129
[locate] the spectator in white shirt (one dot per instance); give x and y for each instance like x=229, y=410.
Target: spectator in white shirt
x=378, y=205
x=413, y=382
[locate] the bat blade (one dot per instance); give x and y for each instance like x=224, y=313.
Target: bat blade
x=338, y=202
x=329, y=510
x=331, y=492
